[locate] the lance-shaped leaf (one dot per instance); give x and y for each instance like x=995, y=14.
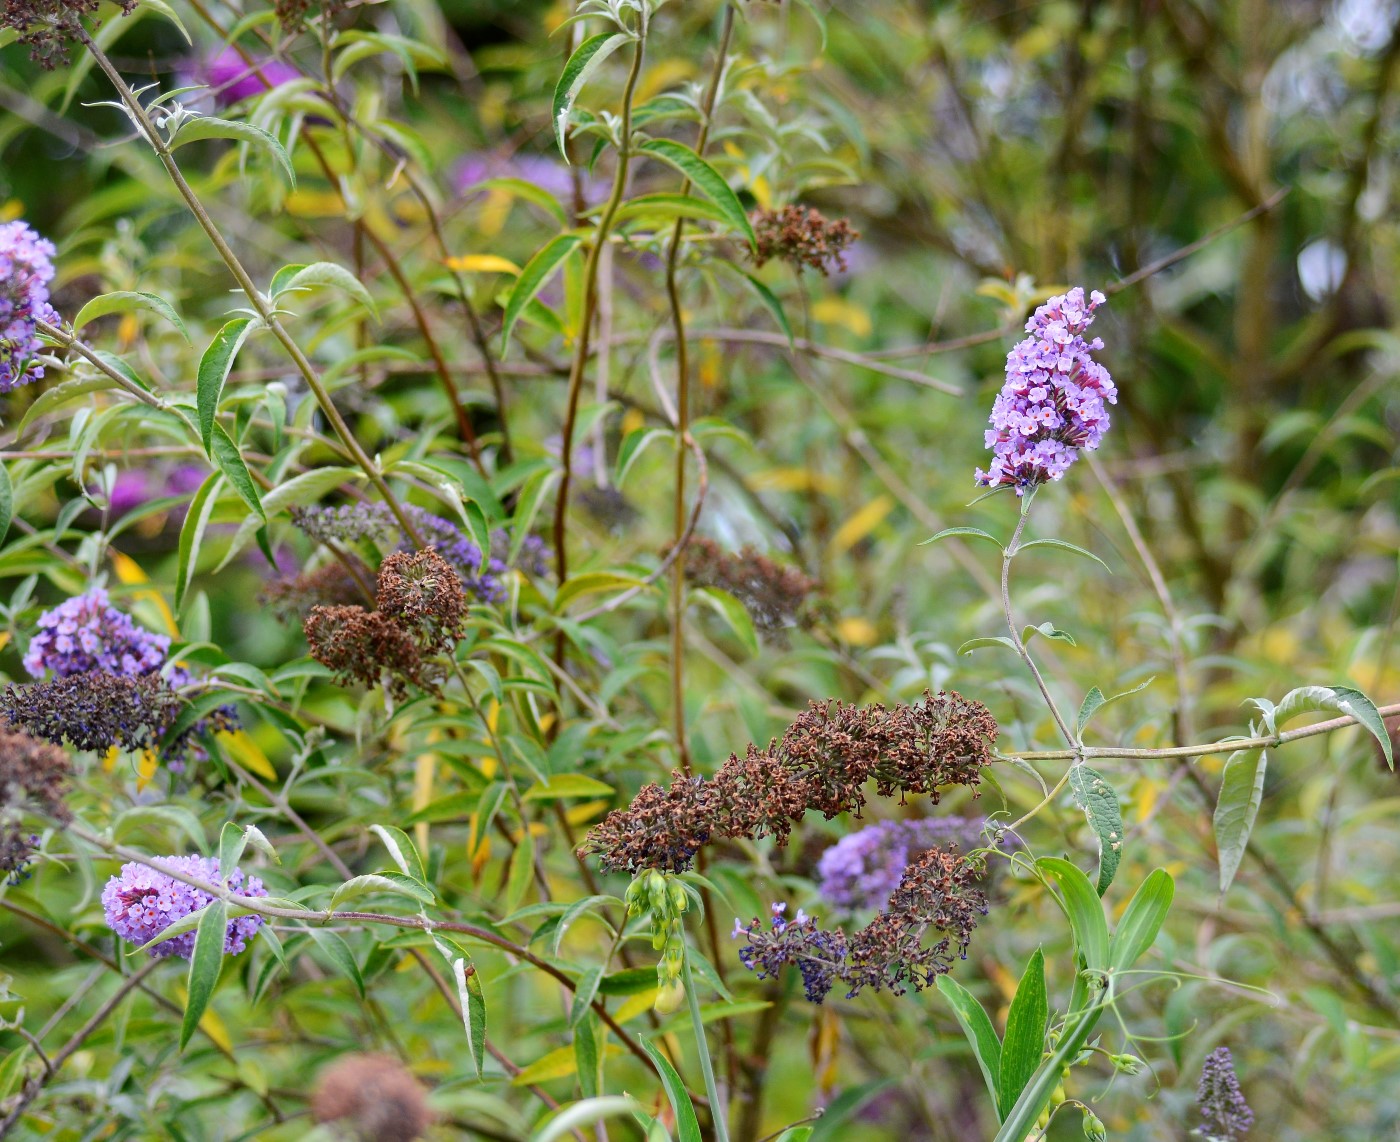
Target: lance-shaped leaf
x=1241, y=791
x=230, y=461
x=588, y=57
x=1343, y=699
x=977, y=1026
x=686, y=1122
x=1095, y=796
x=214, y=367
x=303, y=279
x=124, y=301
x=707, y=180
x=205, y=962
x=1025, y=1033
x=538, y=270
x=208, y=127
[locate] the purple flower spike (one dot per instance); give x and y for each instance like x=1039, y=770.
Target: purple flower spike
x=25, y=274
x=1053, y=402
x=140, y=903
x=87, y=633
x=1227, y=1115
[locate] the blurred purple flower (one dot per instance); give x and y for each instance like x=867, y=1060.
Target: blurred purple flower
x=860, y=871
x=548, y=174
x=140, y=903
x=87, y=633
x=25, y=274
x=1227, y=1115
x=1053, y=401
x=234, y=79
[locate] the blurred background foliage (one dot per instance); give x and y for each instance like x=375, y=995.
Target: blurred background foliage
x=989, y=154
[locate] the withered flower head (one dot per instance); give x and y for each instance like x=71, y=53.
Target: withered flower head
x=421, y=607
x=47, y=26
x=33, y=777
x=775, y=596
x=329, y=585
x=801, y=237
x=423, y=591
x=96, y=710
x=372, y=1098
x=821, y=762
x=937, y=893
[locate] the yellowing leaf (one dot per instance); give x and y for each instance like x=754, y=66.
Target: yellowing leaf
x=4, y=639
x=315, y=204
x=848, y=315
x=11, y=210
x=249, y=754
x=637, y=1004
x=557, y=1064
x=580, y=814
x=482, y=264
x=146, y=766
x=796, y=480
x=857, y=631
x=632, y=420
x=127, y=569
x=860, y=525
x=424, y=770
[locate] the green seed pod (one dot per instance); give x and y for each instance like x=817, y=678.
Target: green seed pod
x=1093, y=1127
x=679, y=900
x=1127, y=1064
x=669, y=998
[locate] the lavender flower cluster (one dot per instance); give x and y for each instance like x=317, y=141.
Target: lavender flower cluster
x=1053, y=402
x=1223, y=1107
x=25, y=273
x=860, y=871
x=87, y=633
x=140, y=903
x=353, y=522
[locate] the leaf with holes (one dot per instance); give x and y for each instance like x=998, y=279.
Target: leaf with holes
x=1100, y=804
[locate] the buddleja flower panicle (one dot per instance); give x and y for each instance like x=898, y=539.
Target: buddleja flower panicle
x=1222, y=1105
x=1053, y=403
x=140, y=903
x=25, y=273
x=87, y=633
x=33, y=778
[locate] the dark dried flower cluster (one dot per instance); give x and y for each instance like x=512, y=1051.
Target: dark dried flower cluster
x=801, y=237
x=96, y=711
x=350, y=523
x=329, y=585
x=373, y=1098
x=291, y=14
x=33, y=777
x=48, y=26
x=937, y=892
x=420, y=611
x=822, y=762
x=1223, y=1107
x=775, y=596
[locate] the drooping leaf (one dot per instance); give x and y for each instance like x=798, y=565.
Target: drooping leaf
x=588, y=57
x=124, y=301
x=707, y=180
x=1096, y=797
x=537, y=272
x=1241, y=791
x=208, y=127
x=303, y=279
x=205, y=962
x=229, y=458
x=214, y=368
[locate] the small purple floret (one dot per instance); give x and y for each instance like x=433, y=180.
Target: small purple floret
x=140, y=903
x=1053, y=403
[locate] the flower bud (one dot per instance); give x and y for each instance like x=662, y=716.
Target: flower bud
x=1127, y=1064
x=669, y=998
x=1093, y=1127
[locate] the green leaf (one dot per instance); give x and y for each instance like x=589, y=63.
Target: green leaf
x=977, y=1027
x=1063, y=546
x=303, y=279
x=538, y=270
x=1048, y=630
x=672, y=206
x=358, y=886
x=767, y=297
x=1241, y=791
x=686, y=1122
x=208, y=127
x=140, y=816
x=588, y=1054
x=214, y=368
x=970, y=532
x=1094, y=701
x=59, y=395
x=1343, y=699
x=633, y=445
x=519, y=188
x=232, y=842
x=588, y=57
x=590, y=583
x=585, y=990
x=707, y=180
x=7, y=500
x=205, y=962
x=1142, y=920
x=230, y=461
x=580, y=1114
x=1100, y=804
x=735, y=615
x=300, y=490
x=192, y=533
x=563, y=785
x=1084, y=909
x=1025, y=1033
x=991, y=640
x=402, y=851
x=573, y=912
x=123, y=301
x=522, y=868
x=473, y=1001
x=338, y=952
